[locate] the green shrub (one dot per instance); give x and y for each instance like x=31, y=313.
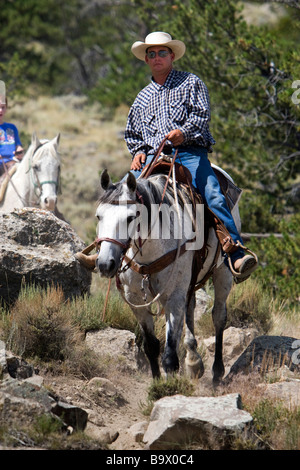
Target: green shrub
x=278, y=425
x=95, y=311
x=279, y=267
x=248, y=304
x=161, y=387
x=39, y=325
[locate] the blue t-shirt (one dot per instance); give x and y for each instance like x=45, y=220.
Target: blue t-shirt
x=9, y=141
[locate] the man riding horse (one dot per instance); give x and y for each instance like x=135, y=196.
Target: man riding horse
x=175, y=106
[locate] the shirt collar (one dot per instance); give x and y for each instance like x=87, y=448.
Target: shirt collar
x=167, y=83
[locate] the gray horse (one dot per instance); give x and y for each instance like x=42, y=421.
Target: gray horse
x=151, y=251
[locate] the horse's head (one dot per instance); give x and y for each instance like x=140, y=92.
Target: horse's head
x=116, y=213
x=44, y=168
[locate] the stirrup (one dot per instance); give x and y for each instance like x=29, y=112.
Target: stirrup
x=253, y=262
x=85, y=260
x=88, y=249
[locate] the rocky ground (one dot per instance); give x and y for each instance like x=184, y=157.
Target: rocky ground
x=115, y=405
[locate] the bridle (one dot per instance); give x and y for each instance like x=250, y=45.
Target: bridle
x=127, y=244
x=37, y=184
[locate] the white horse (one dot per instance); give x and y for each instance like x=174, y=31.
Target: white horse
x=151, y=267
x=36, y=179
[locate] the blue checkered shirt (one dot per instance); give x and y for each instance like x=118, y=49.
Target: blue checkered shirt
x=182, y=102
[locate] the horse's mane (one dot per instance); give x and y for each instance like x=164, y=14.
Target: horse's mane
x=149, y=191
x=152, y=190
x=36, y=152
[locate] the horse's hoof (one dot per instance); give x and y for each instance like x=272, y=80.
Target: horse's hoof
x=194, y=365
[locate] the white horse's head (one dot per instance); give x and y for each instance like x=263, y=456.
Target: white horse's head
x=116, y=213
x=44, y=169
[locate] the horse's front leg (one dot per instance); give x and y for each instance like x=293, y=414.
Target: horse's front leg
x=194, y=367
x=150, y=342
x=175, y=313
x=222, y=280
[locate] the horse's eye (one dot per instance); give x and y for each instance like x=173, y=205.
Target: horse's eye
x=36, y=167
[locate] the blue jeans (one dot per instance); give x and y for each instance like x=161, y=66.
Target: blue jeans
x=195, y=159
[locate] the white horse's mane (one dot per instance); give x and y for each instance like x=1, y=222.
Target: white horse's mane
x=150, y=190
x=36, y=151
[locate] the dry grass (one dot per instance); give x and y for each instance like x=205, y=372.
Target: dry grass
x=40, y=326
x=91, y=140
x=277, y=424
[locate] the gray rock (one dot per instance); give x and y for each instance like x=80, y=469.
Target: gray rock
x=235, y=341
x=71, y=415
x=202, y=302
x=3, y=365
x=23, y=397
x=119, y=347
x=38, y=248
x=265, y=353
x=287, y=391
x=18, y=368
x=210, y=421
x=138, y=430
x=105, y=435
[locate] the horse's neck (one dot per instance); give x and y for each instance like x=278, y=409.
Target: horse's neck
x=157, y=238
x=146, y=250
x=18, y=189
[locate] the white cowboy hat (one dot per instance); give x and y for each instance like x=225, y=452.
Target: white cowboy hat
x=158, y=38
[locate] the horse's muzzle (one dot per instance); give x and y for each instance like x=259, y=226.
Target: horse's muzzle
x=107, y=268
x=49, y=203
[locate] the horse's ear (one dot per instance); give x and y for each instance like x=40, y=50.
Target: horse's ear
x=105, y=179
x=131, y=182
x=35, y=141
x=56, y=140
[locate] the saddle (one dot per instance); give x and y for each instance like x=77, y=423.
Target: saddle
x=183, y=176
x=163, y=166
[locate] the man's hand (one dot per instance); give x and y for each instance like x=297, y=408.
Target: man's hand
x=19, y=153
x=137, y=161
x=176, y=137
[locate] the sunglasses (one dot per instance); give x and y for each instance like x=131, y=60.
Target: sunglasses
x=162, y=53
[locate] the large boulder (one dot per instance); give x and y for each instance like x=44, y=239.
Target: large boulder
x=211, y=422
x=38, y=248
